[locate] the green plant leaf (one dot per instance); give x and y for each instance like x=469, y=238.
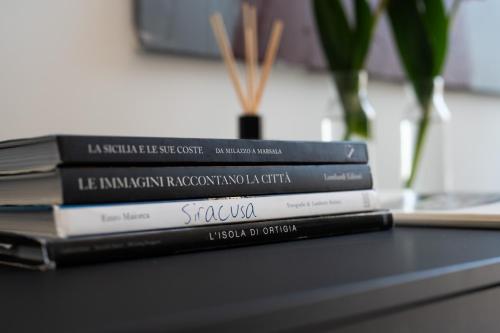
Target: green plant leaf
x=363, y=32
x=335, y=33
x=415, y=49
x=415, y=52
x=436, y=23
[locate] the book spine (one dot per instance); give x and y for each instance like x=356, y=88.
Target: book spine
x=127, y=150
x=115, y=184
x=156, y=243
x=105, y=219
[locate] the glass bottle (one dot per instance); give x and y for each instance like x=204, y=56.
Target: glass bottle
x=349, y=114
x=424, y=139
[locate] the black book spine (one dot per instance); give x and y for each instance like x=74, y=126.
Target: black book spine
x=93, y=150
x=158, y=243
x=135, y=184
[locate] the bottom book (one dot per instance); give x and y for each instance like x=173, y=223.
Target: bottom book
x=47, y=253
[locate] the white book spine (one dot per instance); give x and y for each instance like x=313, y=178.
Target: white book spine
x=111, y=218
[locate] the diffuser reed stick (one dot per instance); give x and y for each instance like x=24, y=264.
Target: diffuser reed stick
x=255, y=86
x=248, y=35
x=271, y=51
x=227, y=53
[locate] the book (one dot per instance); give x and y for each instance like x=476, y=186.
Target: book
x=45, y=153
x=90, y=185
x=46, y=253
x=467, y=210
x=70, y=221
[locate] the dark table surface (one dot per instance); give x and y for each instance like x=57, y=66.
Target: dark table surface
x=295, y=285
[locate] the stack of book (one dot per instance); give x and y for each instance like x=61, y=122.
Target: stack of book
x=77, y=199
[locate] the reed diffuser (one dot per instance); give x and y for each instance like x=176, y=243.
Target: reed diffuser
x=249, y=122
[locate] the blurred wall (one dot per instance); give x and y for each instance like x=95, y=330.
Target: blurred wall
x=74, y=66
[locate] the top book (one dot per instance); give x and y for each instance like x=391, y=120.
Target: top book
x=47, y=152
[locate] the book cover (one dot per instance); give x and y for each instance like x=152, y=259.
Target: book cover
x=46, y=253
x=112, y=218
x=100, y=185
x=43, y=153
x=213, y=151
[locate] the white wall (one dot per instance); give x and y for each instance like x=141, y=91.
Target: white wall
x=74, y=66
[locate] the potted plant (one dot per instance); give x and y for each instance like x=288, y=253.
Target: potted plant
x=345, y=48
x=421, y=32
